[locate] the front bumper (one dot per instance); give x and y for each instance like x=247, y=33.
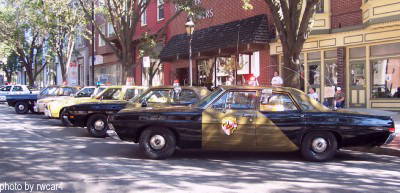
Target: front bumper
x=390, y=138
x=39, y=107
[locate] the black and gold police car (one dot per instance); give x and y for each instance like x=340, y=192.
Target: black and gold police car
x=251, y=119
x=94, y=115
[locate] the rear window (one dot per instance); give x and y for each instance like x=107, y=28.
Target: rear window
x=7, y=88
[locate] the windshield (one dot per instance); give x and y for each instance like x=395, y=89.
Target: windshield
x=85, y=92
x=202, y=103
x=307, y=103
x=49, y=91
x=7, y=88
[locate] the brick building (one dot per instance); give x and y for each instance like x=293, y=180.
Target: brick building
x=225, y=37
x=355, y=45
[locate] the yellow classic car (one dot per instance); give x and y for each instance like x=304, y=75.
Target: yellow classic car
x=55, y=109
x=63, y=93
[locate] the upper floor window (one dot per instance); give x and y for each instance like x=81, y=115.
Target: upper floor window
x=143, y=16
x=111, y=31
x=160, y=10
x=319, y=8
x=102, y=42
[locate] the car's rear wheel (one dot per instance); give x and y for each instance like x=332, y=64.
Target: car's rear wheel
x=21, y=108
x=97, y=125
x=157, y=143
x=319, y=146
x=64, y=117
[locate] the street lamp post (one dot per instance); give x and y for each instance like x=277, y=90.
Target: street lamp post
x=189, y=30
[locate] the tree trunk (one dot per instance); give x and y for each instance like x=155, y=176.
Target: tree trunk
x=9, y=77
x=291, y=74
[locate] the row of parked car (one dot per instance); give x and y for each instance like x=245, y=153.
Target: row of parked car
x=230, y=118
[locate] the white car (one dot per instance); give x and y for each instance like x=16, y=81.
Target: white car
x=13, y=90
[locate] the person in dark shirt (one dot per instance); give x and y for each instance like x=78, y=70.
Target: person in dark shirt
x=397, y=94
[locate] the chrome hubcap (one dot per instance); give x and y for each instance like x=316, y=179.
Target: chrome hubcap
x=99, y=125
x=157, y=142
x=21, y=107
x=319, y=145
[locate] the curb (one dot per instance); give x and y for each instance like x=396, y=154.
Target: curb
x=378, y=150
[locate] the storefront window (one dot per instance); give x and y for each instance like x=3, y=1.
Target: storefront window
x=385, y=50
x=331, y=70
x=357, y=66
x=385, y=77
x=108, y=74
x=314, y=68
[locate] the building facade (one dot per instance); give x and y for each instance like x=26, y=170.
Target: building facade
x=357, y=48
x=229, y=45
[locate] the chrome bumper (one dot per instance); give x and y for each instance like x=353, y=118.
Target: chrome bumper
x=390, y=138
x=111, y=132
x=39, y=107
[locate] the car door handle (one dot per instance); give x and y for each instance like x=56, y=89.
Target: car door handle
x=248, y=115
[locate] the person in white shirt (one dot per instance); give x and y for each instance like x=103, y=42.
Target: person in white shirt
x=312, y=94
x=276, y=80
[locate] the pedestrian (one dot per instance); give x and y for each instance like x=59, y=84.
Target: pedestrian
x=397, y=94
x=312, y=94
x=276, y=80
x=339, y=98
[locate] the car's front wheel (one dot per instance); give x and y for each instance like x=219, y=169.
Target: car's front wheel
x=97, y=125
x=21, y=108
x=319, y=146
x=157, y=143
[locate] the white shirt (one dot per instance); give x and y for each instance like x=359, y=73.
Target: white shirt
x=314, y=96
x=276, y=80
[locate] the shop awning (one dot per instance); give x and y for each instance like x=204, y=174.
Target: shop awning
x=253, y=30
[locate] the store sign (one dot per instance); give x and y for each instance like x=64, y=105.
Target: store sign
x=146, y=62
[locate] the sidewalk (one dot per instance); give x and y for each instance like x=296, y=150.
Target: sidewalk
x=394, y=147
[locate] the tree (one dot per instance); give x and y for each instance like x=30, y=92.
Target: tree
x=125, y=15
x=64, y=20
x=293, y=20
x=23, y=30
x=10, y=66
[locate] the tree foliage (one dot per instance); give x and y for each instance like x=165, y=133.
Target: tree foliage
x=293, y=20
x=124, y=16
x=65, y=21
x=23, y=31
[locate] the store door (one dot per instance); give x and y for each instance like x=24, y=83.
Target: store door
x=182, y=74
x=357, y=84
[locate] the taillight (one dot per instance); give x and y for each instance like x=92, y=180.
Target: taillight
x=392, y=130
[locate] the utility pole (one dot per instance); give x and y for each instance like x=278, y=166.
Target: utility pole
x=92, y=70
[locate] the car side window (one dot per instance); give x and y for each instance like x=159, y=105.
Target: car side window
x=66, y=91
x=185, y=96
x=277, y=102
x=111, y=94
x=237, y=100
x=130, y=93
x=17, y=88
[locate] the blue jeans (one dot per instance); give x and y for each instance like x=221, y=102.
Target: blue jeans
x=340, y=104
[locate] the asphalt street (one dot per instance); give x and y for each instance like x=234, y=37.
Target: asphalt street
x=39, y=153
